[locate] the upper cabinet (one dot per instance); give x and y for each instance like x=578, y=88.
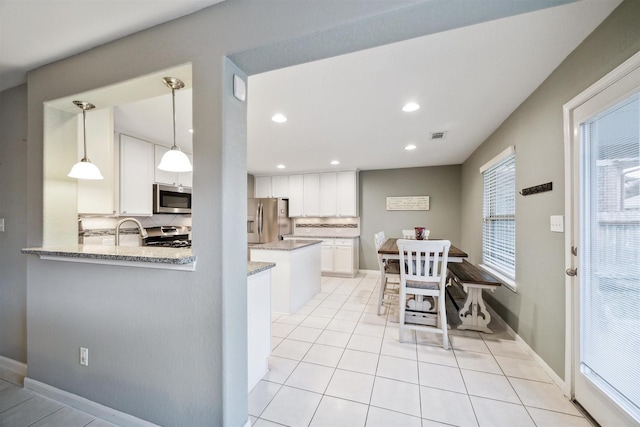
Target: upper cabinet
x=97, y=196
x=280, y=186
x=262, y=187
x=183, y=179
x=328, y=188
x=136, y=176
x=271, y=186
x=311, y=196
x=347, y=193
x=296, y=195
x=326, y=194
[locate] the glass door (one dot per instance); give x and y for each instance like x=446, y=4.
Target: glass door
x=606, y=270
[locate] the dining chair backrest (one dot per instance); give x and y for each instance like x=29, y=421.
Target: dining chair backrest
x=424, y=260
x=408, y=234
x=379, y=239
x=423, y=272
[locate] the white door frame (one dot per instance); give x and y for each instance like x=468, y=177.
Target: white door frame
x=570, y=139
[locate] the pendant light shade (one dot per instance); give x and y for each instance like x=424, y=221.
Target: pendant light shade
x=84, y=169
x=174, y=160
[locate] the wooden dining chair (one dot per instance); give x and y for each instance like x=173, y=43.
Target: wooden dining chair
x=389, y=273
x=408, y=234
x=424, y=273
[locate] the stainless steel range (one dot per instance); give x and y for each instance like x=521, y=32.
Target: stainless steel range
x=168, y=236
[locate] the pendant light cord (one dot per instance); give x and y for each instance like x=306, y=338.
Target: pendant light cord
x=84, y=133
x=173, y=98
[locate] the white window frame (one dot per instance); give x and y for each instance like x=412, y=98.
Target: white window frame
x=505, y=277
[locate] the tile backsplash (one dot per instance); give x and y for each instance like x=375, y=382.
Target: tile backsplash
x=101, y=229
x=347, y=227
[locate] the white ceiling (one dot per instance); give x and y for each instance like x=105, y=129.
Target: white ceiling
x=347, y=108
x=467, y=81
x=37, y=32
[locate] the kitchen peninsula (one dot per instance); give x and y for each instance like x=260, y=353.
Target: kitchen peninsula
x=132, y=256
x=296, y=276
x=258, y=320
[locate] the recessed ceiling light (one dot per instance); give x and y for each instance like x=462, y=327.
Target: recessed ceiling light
x=190, y=130
x=281, y=166
x=335, y=162
x=411, y=106
x=410, y=147
x=279, y=118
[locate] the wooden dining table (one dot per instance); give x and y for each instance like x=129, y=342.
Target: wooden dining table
x=389, y=250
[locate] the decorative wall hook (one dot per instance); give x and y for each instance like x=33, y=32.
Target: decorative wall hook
x=537, y=189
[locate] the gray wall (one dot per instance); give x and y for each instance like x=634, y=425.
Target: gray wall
x=440, y=183
x=536, y=311
x=251, y=182
x=163, y=344
x=13, y=208
x=170, y=347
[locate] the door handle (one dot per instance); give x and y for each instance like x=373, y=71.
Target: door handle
x=572, y=271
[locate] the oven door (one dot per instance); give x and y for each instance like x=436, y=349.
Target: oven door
x=172, y=200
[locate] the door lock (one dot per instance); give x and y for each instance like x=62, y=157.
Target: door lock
x=572, y=271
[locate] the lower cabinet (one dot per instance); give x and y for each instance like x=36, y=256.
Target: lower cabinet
x=338, y=257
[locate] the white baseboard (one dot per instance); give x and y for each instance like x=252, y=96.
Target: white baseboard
x=552, y=374
x=85, y=405
x=14, y=366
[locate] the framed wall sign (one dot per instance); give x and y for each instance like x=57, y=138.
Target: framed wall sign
x=408, y=203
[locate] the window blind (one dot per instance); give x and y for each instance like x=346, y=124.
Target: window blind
x=499, y=216
x=609, y=268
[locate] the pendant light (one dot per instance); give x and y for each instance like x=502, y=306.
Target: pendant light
x=174, y=160
x=84, y=169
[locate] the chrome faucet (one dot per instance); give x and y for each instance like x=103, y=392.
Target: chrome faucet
x=141, y=230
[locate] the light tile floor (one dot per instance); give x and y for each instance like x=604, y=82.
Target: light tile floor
x=337, y=363
x=20, y=407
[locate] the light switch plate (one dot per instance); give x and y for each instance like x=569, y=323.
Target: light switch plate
x=1, y=224
x=557, y=223
x=239, y=88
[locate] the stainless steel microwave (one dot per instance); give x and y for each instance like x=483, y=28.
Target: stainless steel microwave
x=171, y=200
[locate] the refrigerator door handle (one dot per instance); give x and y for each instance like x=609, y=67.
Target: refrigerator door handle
x=260, y=219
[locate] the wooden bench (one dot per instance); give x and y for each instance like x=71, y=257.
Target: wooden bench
x=474, y=314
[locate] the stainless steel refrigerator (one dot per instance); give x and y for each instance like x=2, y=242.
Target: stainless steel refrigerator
x=267, y=220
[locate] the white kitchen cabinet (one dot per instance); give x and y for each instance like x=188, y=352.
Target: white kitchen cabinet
x=326, y=256
x=328, y=187
x=184, y=179
x=338, y=257
x=263, y=187
x=347, y=193
x=296, y=195
x=343, y=256
x=311, y=203
x=97, y=196
x=280, y=186
x=136, y=176
x=326, y=194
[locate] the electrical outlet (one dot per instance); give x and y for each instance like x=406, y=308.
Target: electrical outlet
x=84, y=356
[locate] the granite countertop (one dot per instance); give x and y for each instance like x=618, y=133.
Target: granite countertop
x=286, y=245
x=255, y=267
x=118, y=253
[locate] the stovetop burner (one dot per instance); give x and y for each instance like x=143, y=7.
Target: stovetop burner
x=168, y=237
x=171, y=243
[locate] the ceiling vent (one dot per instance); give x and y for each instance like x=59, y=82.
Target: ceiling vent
x=437, y=135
